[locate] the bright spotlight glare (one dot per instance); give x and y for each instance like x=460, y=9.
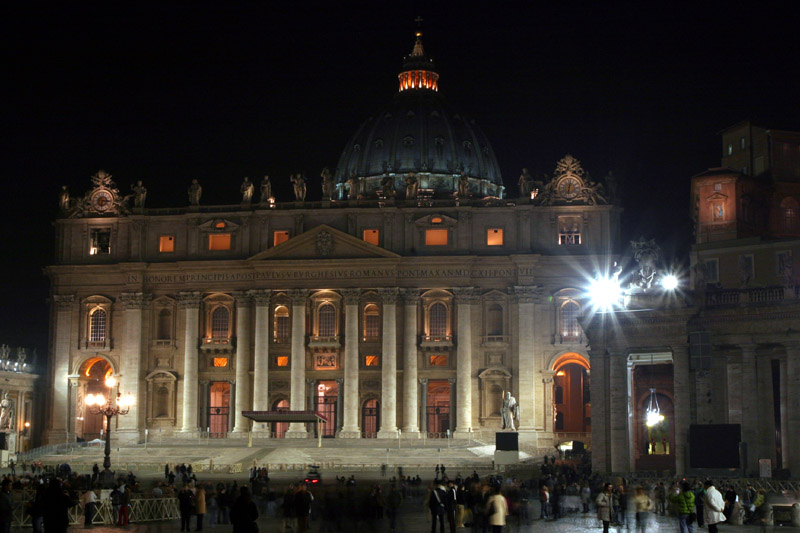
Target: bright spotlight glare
x=670, y=282
x=605, y=292
x=653, y=418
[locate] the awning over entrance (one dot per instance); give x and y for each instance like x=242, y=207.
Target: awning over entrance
x=285, y=416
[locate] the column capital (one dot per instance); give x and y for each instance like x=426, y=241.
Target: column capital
x=189, y=300
x=423, y=381
x=261, y=296
x=298, y=296
x=527, y=294
x=390, y=295
x=63, y=302
x=243, y=298
x=351, y=296
x=134, y=300
x=451, y=380
x=410, y=296
x=465, y=295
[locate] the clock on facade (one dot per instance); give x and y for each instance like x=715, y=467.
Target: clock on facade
x=102, y=200
x=569, y=187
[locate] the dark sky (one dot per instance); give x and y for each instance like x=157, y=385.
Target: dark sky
x=217, y=91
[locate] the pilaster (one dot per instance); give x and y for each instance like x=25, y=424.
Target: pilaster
x=131, y=425
x=529, y=389
x=680, y=391
x=64, y=306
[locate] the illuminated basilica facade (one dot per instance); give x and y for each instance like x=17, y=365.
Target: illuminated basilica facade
x=406, y=301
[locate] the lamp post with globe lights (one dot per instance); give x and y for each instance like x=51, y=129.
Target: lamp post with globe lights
x=109, y=406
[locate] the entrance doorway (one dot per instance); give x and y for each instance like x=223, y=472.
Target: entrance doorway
x=572, y=408
x=219, y=405
x=94, y=374
x=279, y=428
x=653, y=444
x=438, y=408
x=370, y=418
x=326, y=396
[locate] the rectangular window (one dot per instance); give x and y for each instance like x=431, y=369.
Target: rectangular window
x=220, y=362
x=569, y=230
x=436, y=237
x=717, y=187
x=494, y=237
x=746, y=269
x=282, y=360
x=438, y=360
x=712, y=270
x=279, y=237
x=219, y=241
x=100, y=241
x=282, y=328
x=372, y=360
x=166, y=243
x=372, y=236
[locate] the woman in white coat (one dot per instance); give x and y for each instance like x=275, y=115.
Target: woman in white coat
x=497, y=510
x=714, y=504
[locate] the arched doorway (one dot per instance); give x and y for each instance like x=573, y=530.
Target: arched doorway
x=654, y=444
x=219, y=406
x=370, y=418
x=438, y=408
x=572, y=408
x=326, y=396
x=279, y=428
x=93, y=375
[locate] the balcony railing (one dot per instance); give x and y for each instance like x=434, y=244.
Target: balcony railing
x=751, y=296
x=496, y=339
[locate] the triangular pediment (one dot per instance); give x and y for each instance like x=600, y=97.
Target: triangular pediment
x=717, y=196
x=324, y=242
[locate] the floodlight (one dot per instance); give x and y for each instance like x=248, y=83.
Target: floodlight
x=670, y=282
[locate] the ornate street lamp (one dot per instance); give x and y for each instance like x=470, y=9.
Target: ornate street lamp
x=109, y=406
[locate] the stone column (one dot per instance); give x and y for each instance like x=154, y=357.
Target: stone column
x=57, y=432
x=410, y=393
x=465, y=297
x=618, y=411
x=389, y=365
x=680, y=391
x=350, y=428
x=190, y=303
x=527, y=296
x=297, y=396
x=243, y=336
x=261, y=359
x=750, y=401
x=424, y=404
x=132, y=424
x=453, y=403
x=601, y=457
x=791, y=456
x=339, y=405
x=205, y=407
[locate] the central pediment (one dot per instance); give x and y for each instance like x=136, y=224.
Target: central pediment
x=324, y=242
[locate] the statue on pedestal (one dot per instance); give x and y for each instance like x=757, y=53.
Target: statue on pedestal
x=354, y=187
x=266, y=190
x=139, y=194
x=327, y=184
x=195, y=192
x=299, y=185
x=247, y=189
x=509, y=411
x=463, y=186
x=6, y=412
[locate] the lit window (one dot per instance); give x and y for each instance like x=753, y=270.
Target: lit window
x=372, y=360
x=219, y=225
x=437, y=316
x=279, y=237
x=569, y=230
x=166, y=243
x=372, y=236
x=717, y=187
x=436, y=220
x=570, y=329
x=97, y=325
x=494, y=237
x=372, y=322
x=281, y=323
x=220, y=362
x=436, y=237
x=282, y=360
x=220, y=320
x=438, y=360
x=100, y=241
x=327, y=320
x=219, y=241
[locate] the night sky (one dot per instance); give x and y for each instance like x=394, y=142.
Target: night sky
x=219, y=91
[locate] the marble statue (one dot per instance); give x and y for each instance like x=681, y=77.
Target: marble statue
x=139, y=194
x=525, y=183
x=299, y=184
x=63, y=198
x=195, y=192
x=327, y=184
x=266, y=190
x=463, y=185
x=6, y=413
x=645, y=253
x=354, y=187
x=509, y=411
x=412, y=186
x=247, y=189
x=387, y=185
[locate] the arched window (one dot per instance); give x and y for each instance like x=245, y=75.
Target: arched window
x=98, y=321
x=790, y=216
x=327, y=320
x=372, y=322
x=220, y=323
x=164, y=324
x=437, y=316
x=281, y=327
x=494, y=320
x=570, y=329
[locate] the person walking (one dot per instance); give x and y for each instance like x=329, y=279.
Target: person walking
x=497, y=509
x=125, y=507
x=302, y=507
x=89, y=501
x=244, y=513
x=661, y=498
x=56, y=511
x=394, y=501
x=605, y=504
x=683, y=501
x=714, y=505
x=436, y=504
x=200, y=506
x=643, y=505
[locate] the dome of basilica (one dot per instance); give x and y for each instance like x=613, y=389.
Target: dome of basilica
x=419, y=135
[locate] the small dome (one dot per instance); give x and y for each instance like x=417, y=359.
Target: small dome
x=418, y=132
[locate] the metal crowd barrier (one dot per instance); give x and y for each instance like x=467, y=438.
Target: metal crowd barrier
x=142, y=510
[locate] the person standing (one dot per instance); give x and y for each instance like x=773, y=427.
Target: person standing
x=302, y=507
x=5, y=506
x=699, y=502
x=200, y=506
x=125, y=507
x=661, y=498
x=497, y=510
x=605, y=503
x=186, y=505
x=394, y=501
x=714, y=505
x=56, y=511
x=244, y=513
x=643, y=505
x=89, y=501
x=450, y=505
x=437, y=507
x=683, y=501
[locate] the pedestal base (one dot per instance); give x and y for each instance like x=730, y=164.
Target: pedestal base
x=297, y=430
x=349, y=434
x=188, y=434
x=106, y=479
x=411, y=434
x=388, y=434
